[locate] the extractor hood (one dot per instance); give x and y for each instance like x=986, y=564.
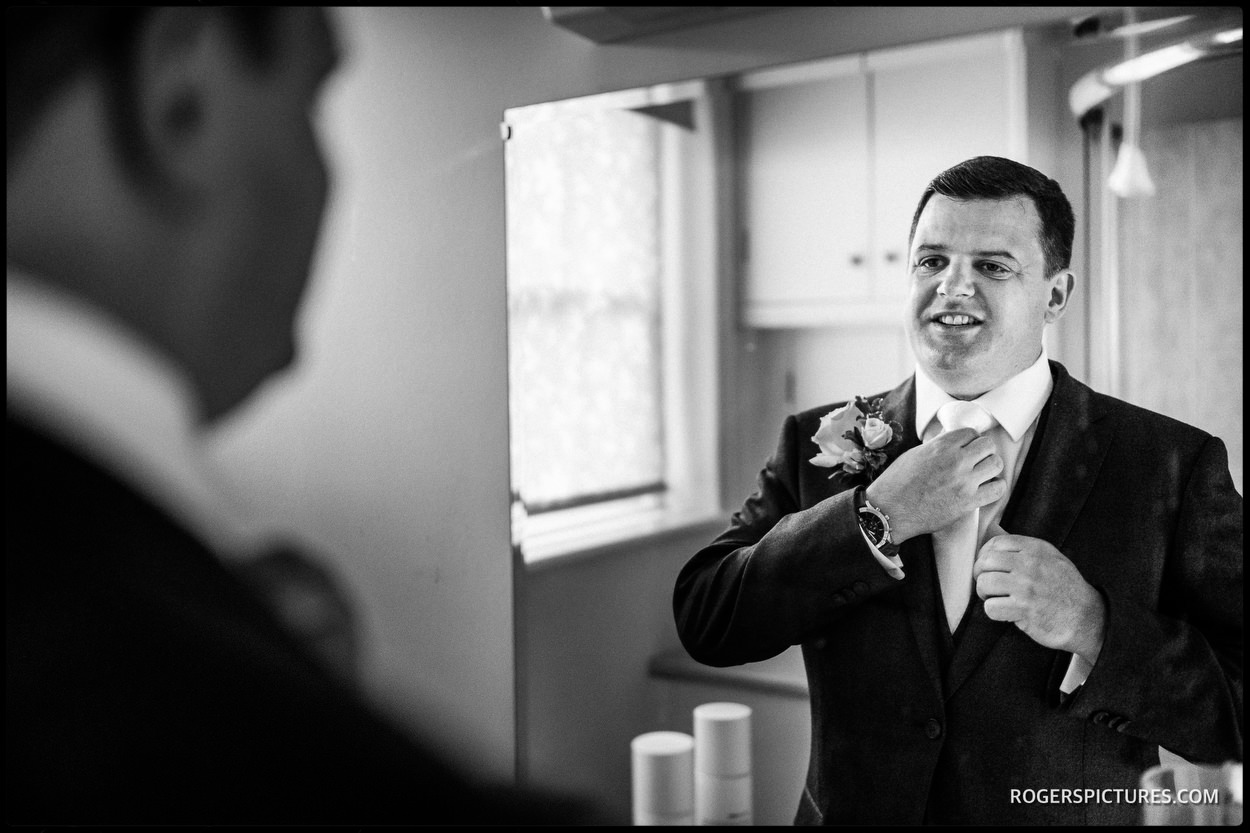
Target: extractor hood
x=614, y=24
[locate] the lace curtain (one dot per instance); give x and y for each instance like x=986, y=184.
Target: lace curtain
x=584, y=306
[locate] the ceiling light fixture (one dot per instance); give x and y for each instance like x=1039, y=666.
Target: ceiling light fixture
x=1099, y=85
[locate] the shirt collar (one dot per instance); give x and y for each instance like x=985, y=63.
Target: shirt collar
x=1015, y=403
x=89, y=381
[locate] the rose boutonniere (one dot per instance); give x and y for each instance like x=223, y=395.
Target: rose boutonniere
x=854, y=439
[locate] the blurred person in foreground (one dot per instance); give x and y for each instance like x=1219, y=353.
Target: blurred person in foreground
x=1003, y=582
x=165, y=189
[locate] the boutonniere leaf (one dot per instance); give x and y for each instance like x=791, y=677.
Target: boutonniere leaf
x=854, y=440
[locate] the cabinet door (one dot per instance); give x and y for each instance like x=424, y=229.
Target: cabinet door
x=932, y=107
x=804, y=174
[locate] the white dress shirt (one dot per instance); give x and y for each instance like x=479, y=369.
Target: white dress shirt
x=83, y=378
x=1015, y=405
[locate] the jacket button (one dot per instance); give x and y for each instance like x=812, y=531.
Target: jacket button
x=933, y=728
x=860, y=587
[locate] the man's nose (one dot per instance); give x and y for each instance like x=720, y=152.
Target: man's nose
x=957, y=281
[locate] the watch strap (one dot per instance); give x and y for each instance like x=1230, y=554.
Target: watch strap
x=880, y=523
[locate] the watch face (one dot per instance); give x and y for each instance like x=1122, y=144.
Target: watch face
x=873, y=526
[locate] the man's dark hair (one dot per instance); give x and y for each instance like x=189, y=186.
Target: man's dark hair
x=47, y=47
x=995, y=178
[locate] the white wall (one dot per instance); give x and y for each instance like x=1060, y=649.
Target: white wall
x=387, y=447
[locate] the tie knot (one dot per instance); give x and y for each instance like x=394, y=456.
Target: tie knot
x=962, y=414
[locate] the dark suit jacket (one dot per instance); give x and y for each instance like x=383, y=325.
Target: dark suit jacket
x=909, y=726
x=145, y=685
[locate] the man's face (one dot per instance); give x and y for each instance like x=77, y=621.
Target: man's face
x=980, y=297
x=274, y=186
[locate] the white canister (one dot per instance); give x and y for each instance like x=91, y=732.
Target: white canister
x=663, y=778
x=722, y=764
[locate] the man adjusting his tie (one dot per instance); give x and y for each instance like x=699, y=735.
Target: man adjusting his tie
x=1001, y=580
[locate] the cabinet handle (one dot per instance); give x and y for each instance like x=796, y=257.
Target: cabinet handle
x=857, y=260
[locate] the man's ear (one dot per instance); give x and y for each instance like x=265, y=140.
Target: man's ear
x=178, y=71
x=1061, y=286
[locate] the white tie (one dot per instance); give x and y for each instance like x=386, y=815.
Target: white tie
x=955, y=546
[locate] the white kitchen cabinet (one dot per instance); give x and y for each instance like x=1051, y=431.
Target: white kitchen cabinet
x=832, y=158
x=804, y=146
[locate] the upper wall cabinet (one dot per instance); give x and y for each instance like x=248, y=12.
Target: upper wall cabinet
x=832, y=157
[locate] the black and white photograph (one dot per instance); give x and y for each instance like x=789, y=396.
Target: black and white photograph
x=602, y=416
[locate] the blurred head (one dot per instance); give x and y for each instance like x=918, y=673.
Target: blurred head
x=989, y=251
x=163, y=164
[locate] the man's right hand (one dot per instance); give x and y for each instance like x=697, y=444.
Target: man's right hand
x=931, y=485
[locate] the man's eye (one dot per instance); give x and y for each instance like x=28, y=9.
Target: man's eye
x=931, y=264
x=995, y=270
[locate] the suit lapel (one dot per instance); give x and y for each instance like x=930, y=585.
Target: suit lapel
x=1049, y=498
x=1055, y=481
x=919, y=597
x=917, y=553
x=899, y=405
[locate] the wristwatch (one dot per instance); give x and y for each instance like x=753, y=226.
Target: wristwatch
x=874, y=523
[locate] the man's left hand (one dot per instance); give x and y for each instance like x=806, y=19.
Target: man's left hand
x=1027, y=581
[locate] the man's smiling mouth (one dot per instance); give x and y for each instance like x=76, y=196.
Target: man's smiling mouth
x=955, y=319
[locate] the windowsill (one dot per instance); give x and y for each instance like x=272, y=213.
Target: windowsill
x=784, y=674
x=626, y=532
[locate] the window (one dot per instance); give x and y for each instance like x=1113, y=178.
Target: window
x=584, y=308
x=611, y=311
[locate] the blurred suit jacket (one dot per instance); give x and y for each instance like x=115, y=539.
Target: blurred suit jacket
x=910, y=725
x=146, y=683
